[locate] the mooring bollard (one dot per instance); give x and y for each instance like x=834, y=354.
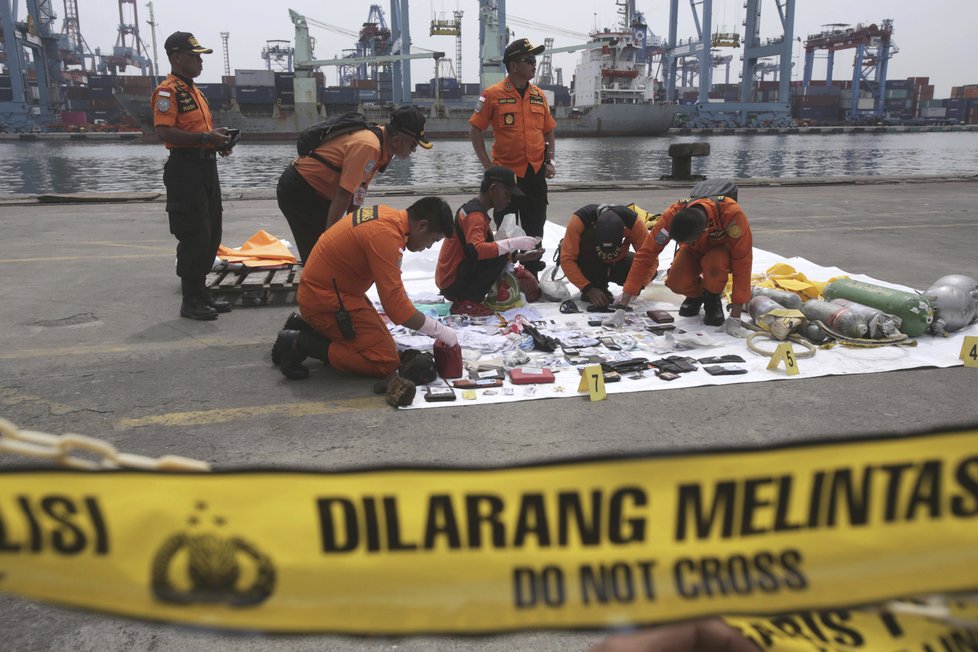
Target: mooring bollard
x=682, y=161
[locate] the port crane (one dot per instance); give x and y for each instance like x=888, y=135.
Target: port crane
x=874, y=47
x=129, y=48
x=34, y=81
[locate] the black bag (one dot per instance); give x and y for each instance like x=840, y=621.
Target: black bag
x=312, y=137
x=715, y=188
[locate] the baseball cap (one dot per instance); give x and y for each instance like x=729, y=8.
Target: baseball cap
x=519, y=48
x=609, y=231
x=505, y=176
x=184, y=42
x=410, y=120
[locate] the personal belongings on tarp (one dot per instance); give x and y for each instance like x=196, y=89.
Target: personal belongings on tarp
x=553, y=288
x=417, y=366
x=954, y=299
x=504, y=294
x=439, y=393
x=721, y=359
x=400, y=392
x=913, y=310
x=516, y=358
x=626, y=366
x=783, y=276
x=615, y=320
x=482, y=383
x=649, y=218
x=724, y=370
x=676, y=364
x=530, y=375
x=448, y=360
x=660, y=316
x=541, y=342
x=569, y=307
x=485, y=372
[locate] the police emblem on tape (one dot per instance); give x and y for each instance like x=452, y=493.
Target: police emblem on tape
x=206, y=568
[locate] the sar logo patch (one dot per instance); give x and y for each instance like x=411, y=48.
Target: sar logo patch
x=369, y=166
x=662, y=237
x=509, y=119
x=481, y=103
x=162, y=105
x=734, y=231
x=365, y=214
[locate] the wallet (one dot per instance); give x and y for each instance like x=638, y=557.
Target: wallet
x=720, y=370
x=675, y=364
x=660, y=316
x=721, y=359
x=483, y=372
x=530, y=375
x=439, y=393
x=609, y=375
x=626, y=366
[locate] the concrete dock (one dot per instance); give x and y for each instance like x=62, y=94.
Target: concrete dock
x=91, y=342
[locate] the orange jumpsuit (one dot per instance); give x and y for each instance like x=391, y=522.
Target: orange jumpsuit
x=725, y=246
x=519, y=124
x=583, y=219
x=360, y=155
x=363, y=248
x=475, y=244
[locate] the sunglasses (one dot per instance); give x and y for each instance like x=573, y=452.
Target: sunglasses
x=530, y=60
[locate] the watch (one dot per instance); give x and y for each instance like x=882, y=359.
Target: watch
x=203, y=137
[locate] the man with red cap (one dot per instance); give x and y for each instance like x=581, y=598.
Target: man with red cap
x=183, y=122
x=523, y=136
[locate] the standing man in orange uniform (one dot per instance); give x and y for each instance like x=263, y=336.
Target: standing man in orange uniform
x=341, y=326
x=315, y=191
x=523, y=137
x=714, y=240
x=183, y=121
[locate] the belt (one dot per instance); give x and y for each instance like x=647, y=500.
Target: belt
x=194, y=154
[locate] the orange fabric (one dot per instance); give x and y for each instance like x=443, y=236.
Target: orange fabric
x=179, y=104
x=475, y=229
x=692, y=272
x=359, y=154
x=727, y=229
x=260, y=250
x=519, y=123
x=570, y=249
x=373, y=351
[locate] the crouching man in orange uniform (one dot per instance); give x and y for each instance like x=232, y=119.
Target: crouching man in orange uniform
x=714, y=240
x=339, y=324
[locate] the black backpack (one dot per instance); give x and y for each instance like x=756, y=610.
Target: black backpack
x=715, y=188
x=312, y=137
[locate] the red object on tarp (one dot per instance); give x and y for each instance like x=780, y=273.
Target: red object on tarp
x=448, y=360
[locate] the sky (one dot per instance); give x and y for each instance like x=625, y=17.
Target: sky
x=930, y=35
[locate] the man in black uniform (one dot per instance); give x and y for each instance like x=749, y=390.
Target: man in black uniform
x=183, y=122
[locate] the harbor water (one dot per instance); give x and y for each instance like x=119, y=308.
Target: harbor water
x=73, y=167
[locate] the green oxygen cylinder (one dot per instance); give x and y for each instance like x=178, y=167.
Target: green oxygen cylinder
x=913, y=309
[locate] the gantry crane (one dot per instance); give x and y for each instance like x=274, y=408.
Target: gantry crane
x=74, y=50
x=874, y=47
x=443, y=27
x=34, y=81
x=129, y=48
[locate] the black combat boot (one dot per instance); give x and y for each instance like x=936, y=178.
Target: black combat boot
x=293, y=352
x=194, y=305
x=691, y=307
x=217, y=303
x=294, y=322
x=712, y=309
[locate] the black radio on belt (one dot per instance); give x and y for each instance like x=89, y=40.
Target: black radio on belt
x=343, y=320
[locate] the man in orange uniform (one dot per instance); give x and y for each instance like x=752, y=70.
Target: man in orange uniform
x=470, y=261
x=593, y=252
x=363, y=248
x=315, y=191
x=182, y=119
x=523, y=136
x=714, y=240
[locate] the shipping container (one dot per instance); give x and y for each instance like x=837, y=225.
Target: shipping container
x=934, y=112
x=74, y=118
x=972, y=116
x=6, y=95
x=254, y=94
x=5, y=81
x=365, y=84
x=422, y=90
x=228, y=80
x=104, y=103
x=101, y=81
x=216, y=94
x=286, y=98
x=285, y=81
x=79, y=105
x=254, y=78
x=476, y=89
x=78, y=93
x=865, y=103
x=100, y=92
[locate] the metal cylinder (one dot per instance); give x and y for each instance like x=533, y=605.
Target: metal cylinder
x=785, y=298
x=879, y=324
x=839, y=318
x=914, y=311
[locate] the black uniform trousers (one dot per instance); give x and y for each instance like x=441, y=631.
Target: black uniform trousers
x=597, y=272
x=474, y=279
x=193, y=204
x=305, y=210
x=531, y=209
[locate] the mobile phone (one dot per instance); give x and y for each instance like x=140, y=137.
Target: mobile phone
x=594, y=322
x=571, y=352
x=609, y=343
x=659, y=329
x=439, y=393
x=235, y=135
x=667, y=375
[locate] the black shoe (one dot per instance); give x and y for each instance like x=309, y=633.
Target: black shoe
x=691, y=307
x=713, y=309
x=292, y=354
x=417, y=367
x=218, y=304
x=196, y=308
x=295, y=322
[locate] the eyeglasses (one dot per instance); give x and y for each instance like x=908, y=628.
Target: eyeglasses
x=530, y=60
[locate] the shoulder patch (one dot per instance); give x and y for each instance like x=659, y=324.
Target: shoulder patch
x=480, y=103
x=164, y=93
x=162, y=104
x=662, y=237
x=369, y=166
x=365, y=214
x=734, y=231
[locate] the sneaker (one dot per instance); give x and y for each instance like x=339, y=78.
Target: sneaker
x=471, y=308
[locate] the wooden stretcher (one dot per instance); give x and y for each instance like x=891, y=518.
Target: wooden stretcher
x=256, y=286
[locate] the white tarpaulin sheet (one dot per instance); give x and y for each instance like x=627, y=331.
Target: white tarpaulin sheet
x=418, y=273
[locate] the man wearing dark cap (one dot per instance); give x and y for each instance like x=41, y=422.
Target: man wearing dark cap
x=315, y=191
x=470, y=260
x=714, y=241
x=523, y=136
x=183, y=122
x=594, y=252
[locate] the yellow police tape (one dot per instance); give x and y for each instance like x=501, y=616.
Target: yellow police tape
x=573, y=544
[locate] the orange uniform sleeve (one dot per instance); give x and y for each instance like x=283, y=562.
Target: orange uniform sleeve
x=636, y=236
x=359, y=163
x=382, y=250
x=474, y=227
x=164, y=106
x=646, y=261
x=741, y=246
x=481, y=117
x=570, y=249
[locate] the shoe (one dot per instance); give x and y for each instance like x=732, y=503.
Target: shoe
x=316, y=345
x=196, y=308
x=691, y=307
x=400, y=392
x=471, y=308
x=713, y=309
x=294, y=322
x=217, y=303
x=289, y=343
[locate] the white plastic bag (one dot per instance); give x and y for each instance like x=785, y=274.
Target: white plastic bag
x=552, y=287
x=508, y=228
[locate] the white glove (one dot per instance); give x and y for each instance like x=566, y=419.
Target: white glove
x=732, y=326
x=615, y=320
x=519, y=243
x=439, y=331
